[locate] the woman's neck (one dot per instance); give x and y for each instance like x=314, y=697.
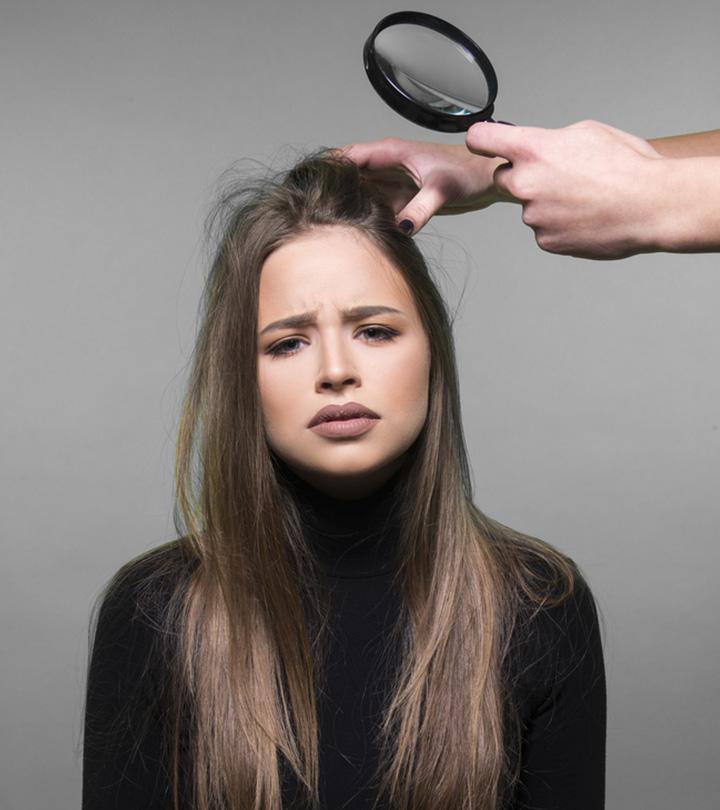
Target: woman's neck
x=352, y=538
x=349, y=487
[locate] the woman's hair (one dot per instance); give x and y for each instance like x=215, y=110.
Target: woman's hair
x=243, y=627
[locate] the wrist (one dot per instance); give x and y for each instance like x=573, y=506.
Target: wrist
x=659, y=215
x=656, y=227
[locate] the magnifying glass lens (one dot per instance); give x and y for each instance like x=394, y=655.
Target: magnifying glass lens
x=431, y=70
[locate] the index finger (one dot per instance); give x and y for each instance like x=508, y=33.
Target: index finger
x=382, y=154
x=492, y=139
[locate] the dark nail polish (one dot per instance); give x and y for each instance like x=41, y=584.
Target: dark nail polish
x=406, y=226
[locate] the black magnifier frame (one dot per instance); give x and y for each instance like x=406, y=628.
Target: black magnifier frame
x=407, y=107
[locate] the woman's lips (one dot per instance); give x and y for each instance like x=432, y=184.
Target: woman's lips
x=345, y=427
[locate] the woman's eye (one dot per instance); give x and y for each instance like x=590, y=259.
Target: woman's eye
x=381, y=332
x=281, y=349
x=376, y=334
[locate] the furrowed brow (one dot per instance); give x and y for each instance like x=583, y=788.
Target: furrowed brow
x=348, y=316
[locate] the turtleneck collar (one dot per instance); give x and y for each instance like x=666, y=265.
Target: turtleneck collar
x=352, y=539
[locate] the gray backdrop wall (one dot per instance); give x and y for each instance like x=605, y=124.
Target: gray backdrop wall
x=590, y=389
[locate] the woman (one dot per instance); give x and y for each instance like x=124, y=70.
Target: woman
x=338, y=625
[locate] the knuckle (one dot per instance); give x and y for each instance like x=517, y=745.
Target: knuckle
x=500, y=177
x=588, y=123
x=528, y=141
x=393, y=142
x=545, y=241
x=421, y=212
x=520, y=185
x=516, y=188
x=554, y=243
x=528, y=216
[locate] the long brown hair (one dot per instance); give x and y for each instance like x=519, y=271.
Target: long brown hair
x=242, y=627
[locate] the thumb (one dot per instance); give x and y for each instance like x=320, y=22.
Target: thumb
x=497, y=140
x=421, y=207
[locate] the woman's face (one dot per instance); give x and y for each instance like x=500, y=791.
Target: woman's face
x=380, y=360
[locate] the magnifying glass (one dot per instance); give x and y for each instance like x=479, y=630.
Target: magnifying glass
x=430, y=72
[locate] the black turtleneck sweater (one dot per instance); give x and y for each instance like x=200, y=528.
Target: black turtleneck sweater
x=560, y=692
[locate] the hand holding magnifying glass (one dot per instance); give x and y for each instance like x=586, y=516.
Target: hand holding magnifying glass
x=587, y=189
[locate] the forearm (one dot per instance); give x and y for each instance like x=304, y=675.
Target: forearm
x=687, y=198
x=695, y=144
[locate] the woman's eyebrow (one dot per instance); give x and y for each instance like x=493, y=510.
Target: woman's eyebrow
x=348, y=315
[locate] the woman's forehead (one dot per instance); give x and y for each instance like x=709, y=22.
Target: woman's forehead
x=332, y=267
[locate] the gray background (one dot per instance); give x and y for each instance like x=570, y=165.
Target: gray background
x=590, y=389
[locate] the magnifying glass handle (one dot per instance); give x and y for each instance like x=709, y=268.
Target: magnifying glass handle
x=509, y=123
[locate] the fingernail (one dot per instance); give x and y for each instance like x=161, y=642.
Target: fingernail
x=407, y=226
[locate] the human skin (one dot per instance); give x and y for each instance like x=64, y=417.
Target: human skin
x=333, y=362
x=593, y=191
x=587, y=190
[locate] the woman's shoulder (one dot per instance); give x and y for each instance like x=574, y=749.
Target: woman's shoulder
x=552, y=593
x=131, y=667
x=565, y=615
x=557, y=631
x=140, y=590
x=542, y=579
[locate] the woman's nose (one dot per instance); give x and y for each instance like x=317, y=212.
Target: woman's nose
x=337, y=365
